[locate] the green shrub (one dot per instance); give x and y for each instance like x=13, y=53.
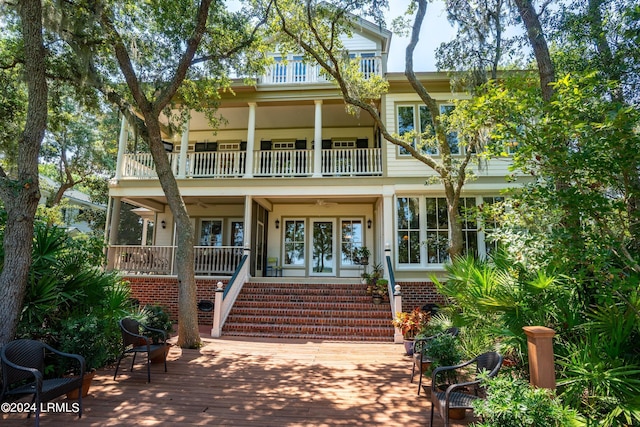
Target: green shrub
x=512, y=402
x=70, y=302
x=443, y=350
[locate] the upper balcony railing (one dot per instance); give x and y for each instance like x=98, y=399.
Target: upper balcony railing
x=267, y=163
x=297, y=71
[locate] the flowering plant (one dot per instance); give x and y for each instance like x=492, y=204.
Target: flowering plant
x=411, y=323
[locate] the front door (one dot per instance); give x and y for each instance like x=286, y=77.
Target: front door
x=323, y=248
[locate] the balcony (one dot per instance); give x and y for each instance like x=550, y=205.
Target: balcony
x=272, y=163
x=296, y=71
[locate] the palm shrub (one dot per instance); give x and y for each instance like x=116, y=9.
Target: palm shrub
x=495, y=298
x=599, y=367
x=69, y=295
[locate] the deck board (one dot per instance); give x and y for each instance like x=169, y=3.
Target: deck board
x=257, y=382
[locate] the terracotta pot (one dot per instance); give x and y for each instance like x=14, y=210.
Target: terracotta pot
x=86, y=383
x=160, y=357
x=457, y=413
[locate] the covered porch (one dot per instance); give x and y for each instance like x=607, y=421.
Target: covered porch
x=285, y=235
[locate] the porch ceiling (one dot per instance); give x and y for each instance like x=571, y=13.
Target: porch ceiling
x=157, y=203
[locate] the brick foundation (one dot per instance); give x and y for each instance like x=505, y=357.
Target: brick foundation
x=164, y=291
x=417, y=294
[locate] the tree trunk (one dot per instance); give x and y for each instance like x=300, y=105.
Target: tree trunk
x=539, y=45
x=456, y=240
x=188, y=334
x=21, y=196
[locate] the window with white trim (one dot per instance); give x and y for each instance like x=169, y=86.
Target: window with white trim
x=408, y=229
x=351, y=240
x=422, y=225
x=491, y=209
x=415, y=124
x=294, y=243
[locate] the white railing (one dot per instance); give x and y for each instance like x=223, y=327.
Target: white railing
x=143, y=259
x=283, y=163
x=210, y=260
x=297, y=71
x=293, y=72
x=216, y=163
x=267, y=163
x=141, y=165
x=359, y=161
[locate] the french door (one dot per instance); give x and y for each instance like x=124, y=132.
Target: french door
x=323, y=248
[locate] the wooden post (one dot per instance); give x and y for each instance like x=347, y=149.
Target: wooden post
x=541, y=364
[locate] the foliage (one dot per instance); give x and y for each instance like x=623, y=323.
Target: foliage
x=155, y=316
x=70, y=303
x=498, y=296
x=85, y=335
x=411, y=323
x=443, y=350
x=512, y=402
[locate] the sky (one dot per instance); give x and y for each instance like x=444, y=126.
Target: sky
x=435, y=30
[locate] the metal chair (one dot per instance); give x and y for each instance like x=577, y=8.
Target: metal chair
x=420, y=359
x=23, y=374
x=133, y=342
x=273, y=268
x=452, y=399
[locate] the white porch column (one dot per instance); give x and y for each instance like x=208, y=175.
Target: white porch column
x=113, y=230
x=184, y=148
x=122, y=148
x=387, y=220
x=145, y=230
x=251, y=136
x=248, y=201
x=317, y=140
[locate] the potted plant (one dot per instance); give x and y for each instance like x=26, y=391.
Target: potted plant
x=85, y=335
x=363, y=255
x=443, y=350
x=411, y=324
x=155, y=316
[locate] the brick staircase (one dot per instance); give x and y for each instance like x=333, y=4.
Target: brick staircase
x=316, y=311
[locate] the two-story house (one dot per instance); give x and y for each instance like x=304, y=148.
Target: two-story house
x=302, y=183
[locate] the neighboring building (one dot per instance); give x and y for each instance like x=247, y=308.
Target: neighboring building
x=75, y=204
x=303, y=183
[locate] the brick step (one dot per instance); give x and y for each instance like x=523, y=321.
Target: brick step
x=318, y=337
x=296, y=286
x=346, y=332
x=313, y=312
x=315, y=291
x=367, y=306
x=323, y=311
x=297, y=320
x=303, y=297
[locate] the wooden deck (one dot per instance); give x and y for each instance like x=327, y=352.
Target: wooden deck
x=249, y=382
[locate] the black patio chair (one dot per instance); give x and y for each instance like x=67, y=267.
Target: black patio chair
x=133, y=342
x=419, y=357
x=23, y=374
x=453, y=399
